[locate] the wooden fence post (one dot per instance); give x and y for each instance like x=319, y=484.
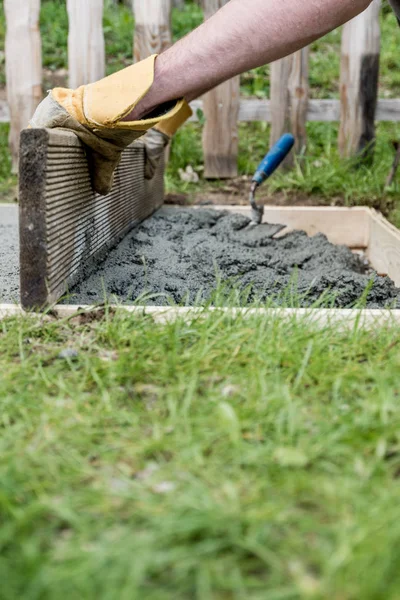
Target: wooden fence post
x=152, y=27
x=221, y=109
x=23, y=67
x=359, y=82
x=86, y=48
x=289, y=99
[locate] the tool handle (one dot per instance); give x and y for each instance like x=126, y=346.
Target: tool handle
x=274, y=158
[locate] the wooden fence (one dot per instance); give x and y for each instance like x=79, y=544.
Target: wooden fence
x=288, y=109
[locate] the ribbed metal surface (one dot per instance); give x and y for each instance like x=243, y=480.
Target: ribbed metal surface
x=79, y=226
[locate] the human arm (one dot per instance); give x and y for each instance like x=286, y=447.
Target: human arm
x=242, y=35
x=109, y=114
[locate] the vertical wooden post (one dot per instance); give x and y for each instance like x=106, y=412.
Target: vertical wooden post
x=23, y=66
x=153, y=32
x=86, y=48
x=152, y=27
x=221, y=109
x=359, y=82
x=289, y=98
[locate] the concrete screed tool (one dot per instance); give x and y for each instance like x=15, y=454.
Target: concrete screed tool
x=266, y=168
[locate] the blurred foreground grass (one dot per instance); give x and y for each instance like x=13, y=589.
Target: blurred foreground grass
x=218, y=460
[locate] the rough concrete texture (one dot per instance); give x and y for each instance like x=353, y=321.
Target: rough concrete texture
x=9, y=254
x=178, y=256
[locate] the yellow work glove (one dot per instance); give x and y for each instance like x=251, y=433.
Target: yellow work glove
x=94, y=113
x=158, y=138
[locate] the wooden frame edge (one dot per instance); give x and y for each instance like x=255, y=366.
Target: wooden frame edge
x=383, y=248
x=32, y=217
x=365, y=318
x=348, y=226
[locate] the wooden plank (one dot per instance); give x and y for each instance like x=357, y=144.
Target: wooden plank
x=320, y=318
x=152, y=27
x=86, y=47
x=221, y=110
x=359, y=82
x=23, y=67
x=341, y=225
x=384, y=247
x=289, y=99
x=388, y=110
x=259, y=110
x=65, y=228
x=369, y=319
x=323, y=111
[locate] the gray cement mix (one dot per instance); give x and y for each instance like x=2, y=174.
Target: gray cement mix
x=180, y=256
x=9, y=254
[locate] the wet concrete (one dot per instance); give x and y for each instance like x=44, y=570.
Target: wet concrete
x=9, y=254
x=182, y=255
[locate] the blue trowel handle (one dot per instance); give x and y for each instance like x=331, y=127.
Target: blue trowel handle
x=274, y=158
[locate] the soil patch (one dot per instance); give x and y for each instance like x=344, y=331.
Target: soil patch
x=181, y=255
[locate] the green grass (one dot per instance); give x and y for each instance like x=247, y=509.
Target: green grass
x=216, y=460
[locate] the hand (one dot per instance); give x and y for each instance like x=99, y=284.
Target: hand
x=95, y=113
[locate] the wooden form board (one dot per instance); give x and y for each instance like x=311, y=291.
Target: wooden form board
x=65, y=228
x=383, y=248
x=358, y=228
x=322, y=318
x=341, y=225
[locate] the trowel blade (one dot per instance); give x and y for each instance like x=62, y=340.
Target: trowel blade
x=255, y=234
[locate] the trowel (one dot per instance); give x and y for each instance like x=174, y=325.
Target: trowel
x=266, y=168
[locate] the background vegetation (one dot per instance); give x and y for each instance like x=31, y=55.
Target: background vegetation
x=321, y=174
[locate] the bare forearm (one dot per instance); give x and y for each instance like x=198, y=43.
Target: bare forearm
x=243, y=35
